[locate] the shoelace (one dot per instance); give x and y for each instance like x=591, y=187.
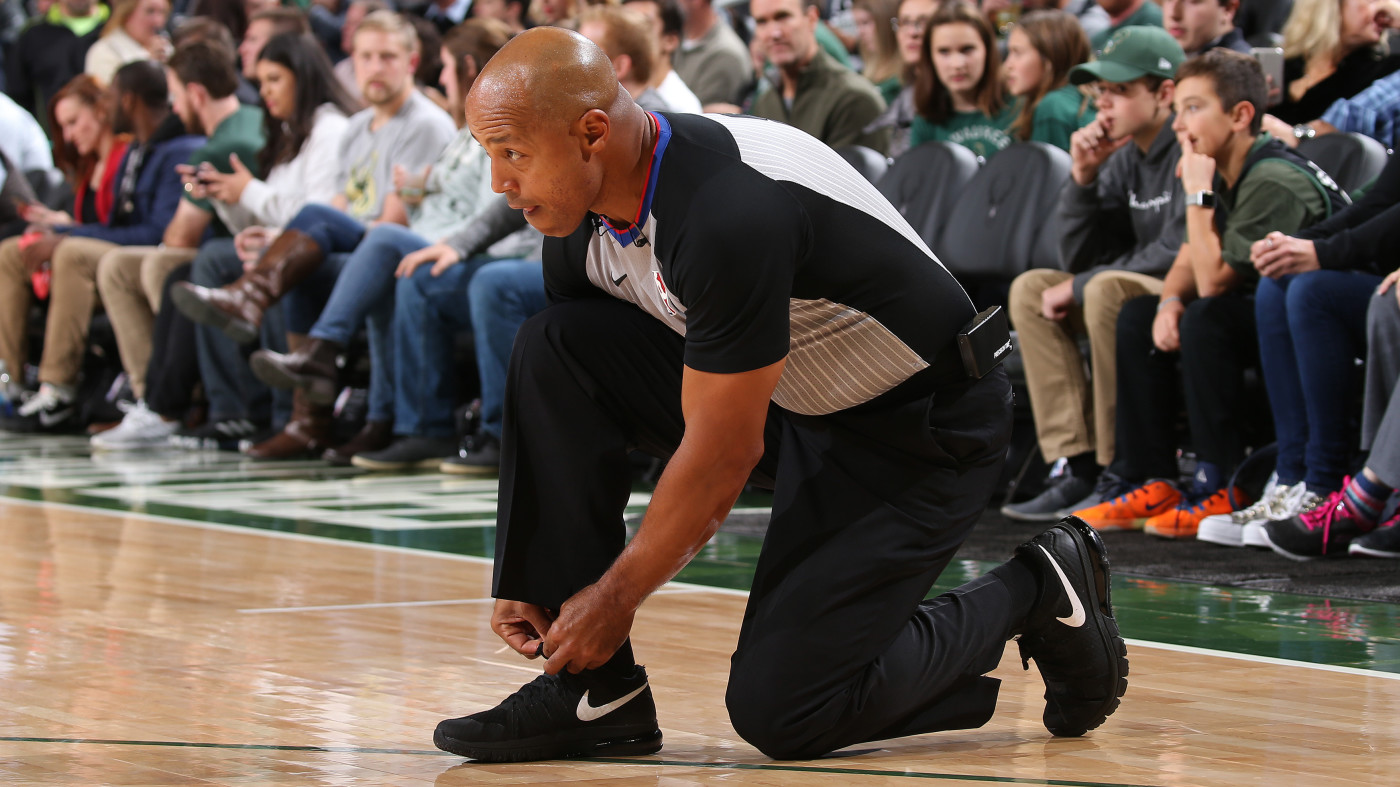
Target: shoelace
x=1323, y=515
x=1270, y=505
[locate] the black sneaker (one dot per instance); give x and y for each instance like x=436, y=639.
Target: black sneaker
x=1054, y=503
x=216, y=435
x=1071, y=633
x=557, y=716
x=1384, y=541
x=407, y=453
x=479, y=454
x=49, y=409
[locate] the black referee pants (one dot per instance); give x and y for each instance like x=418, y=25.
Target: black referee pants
x=838, y=645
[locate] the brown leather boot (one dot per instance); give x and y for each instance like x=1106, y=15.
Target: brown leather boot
x=237, y=308
x=304, y=437
x=375, y=436
x=311, y=368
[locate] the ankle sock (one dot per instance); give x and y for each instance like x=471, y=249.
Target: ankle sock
x=1023, y=588
x=1366, y=498
x=1084, y=466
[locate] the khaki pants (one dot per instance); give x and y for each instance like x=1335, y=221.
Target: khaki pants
x=130, y=279
x=72, y=299
x=1071, y=419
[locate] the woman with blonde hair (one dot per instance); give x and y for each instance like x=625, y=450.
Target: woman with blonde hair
x=1040, y=51
x=1333, y=49
x=875, y=27
x=135, y=31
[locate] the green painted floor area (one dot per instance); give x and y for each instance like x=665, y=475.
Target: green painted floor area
x=436, y=513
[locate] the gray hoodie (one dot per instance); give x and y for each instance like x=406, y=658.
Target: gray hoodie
x=1132, y=217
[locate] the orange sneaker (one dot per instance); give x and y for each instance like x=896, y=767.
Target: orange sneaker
x=1184, y=520
x=1130, y=510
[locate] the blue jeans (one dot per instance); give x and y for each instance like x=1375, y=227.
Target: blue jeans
x=430, y=310
x=1312, y=328
x=503, y=295
x=350, y=289
x=229, y=383
x=332, y=230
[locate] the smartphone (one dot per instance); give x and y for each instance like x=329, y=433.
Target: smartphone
x=1271, y=60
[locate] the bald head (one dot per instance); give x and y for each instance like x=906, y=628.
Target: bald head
x=547, y=74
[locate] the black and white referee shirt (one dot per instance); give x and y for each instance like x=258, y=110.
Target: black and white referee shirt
x=755, y=241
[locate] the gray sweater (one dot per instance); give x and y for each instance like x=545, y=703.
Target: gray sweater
x=1131, y=217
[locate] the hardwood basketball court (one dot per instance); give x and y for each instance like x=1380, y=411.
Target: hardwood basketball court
x=158, y=632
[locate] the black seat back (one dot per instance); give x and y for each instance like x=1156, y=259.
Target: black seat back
x=924, y=183
x=1352, y=160
x=869, y=162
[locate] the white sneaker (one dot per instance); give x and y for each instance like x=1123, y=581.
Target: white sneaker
x=140, y=428
x=1229, y=529
x=1298, y=501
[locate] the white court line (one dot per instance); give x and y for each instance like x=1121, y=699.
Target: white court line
x=244, y=530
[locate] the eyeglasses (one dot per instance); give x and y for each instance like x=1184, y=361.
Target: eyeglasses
x=912, y=24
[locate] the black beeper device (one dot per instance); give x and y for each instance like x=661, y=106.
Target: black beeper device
x=985, y=342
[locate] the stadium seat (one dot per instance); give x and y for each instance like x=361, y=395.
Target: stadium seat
x=869, y=162
x=1352, y=160
x=926, y=182
x=1003, y=222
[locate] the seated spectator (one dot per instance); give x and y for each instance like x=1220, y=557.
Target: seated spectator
x=455, y=218
x=626, y=38
x=1373, y=112
x=50, y=52
x=666, y=24
x=1333, y=50
x=1040, y=52
x=1122, y=217
x=23, y=144
x=816, y=93
x=345, y=69
x=1346, y=522
x=305, y=116
x=400, y=128
x=511, y=12
x=958, y=89
x=1125, y=13
x=262, y=26
x=876, y=26
x=1310, y=309
x=203, y=28
x=1206, y=311
x=712, y=59
x=460, y=50
x=136, y=31
x=125, y=196
x=1199, y=25
x=909, y=23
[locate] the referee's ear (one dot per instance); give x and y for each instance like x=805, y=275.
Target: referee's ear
x=593, y=129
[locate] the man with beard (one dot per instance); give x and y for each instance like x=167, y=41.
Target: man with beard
x=147, y=193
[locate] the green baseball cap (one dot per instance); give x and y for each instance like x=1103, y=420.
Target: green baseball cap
x=1131, y=53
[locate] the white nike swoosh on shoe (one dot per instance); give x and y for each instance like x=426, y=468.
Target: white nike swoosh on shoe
x=49, y=419
x=587, y=712
x=1076, y=615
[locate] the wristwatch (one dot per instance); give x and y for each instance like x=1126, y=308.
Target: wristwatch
x=1203, y=199
x=1304, y=131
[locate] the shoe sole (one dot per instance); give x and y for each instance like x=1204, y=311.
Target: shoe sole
x=1094, y=563
x=1223, y=538
x=1356, y=549
x=551, y=748
x=1110, y=525
x=317, y=390
x=374, y=464
x=454, y=468
x=1020, y=516
x=191, y=306
x=1301, y=558
x=1177, y=535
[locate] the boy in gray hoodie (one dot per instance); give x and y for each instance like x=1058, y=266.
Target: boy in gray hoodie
x=1122, y=217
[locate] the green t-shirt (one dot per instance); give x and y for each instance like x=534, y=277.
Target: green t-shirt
x=985, y=136
x=889, y=89
x=1060, y=113
x=241, y=133
x=1274, y=195
x=1149, y=15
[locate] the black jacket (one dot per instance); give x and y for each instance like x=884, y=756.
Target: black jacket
x=41, y=62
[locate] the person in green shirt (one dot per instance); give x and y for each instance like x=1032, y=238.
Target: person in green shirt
x=1125, y=13
x=1040, y=51
x=957, y=89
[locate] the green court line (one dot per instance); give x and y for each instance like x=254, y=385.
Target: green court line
x=738, y=766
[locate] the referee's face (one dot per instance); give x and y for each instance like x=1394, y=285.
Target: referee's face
x=545, y=171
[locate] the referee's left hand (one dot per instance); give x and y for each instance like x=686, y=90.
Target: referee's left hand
x=591, y=626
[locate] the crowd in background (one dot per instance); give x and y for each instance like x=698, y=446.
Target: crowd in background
x=277, y=214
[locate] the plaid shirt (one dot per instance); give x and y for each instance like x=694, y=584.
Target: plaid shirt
x=1372, y=112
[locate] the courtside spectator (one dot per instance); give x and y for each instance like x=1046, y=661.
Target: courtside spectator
x=462, y=50
x=957, y=89
x=876, y=30
x=1373, y=112
x=1122, y=219
x=1040, y=51
x=136, y=31
x=1206, y=312
x=50, y=52
x=909, y=23
x=626, y=37
x=262, y=26
x=713, y=60
x=1199, y=25
x=1333, y=50
x=1125, y=13
x=355, y=13
x=667, y=23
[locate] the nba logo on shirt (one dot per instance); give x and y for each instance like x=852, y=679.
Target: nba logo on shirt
x=665, y=297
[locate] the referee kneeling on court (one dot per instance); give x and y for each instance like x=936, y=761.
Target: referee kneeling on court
x=728, y=294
